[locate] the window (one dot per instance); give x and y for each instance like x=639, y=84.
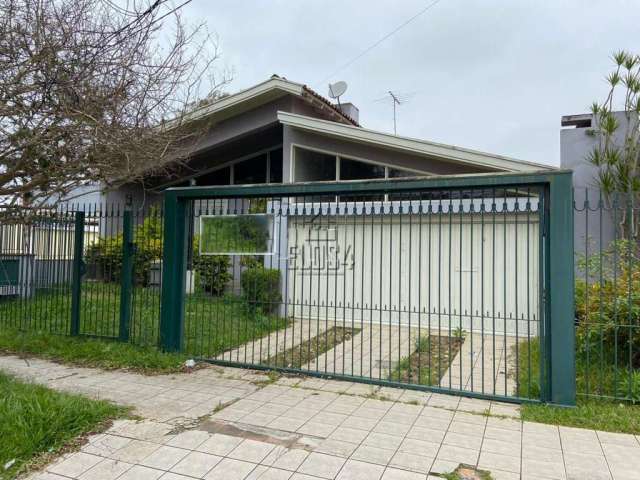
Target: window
x=217, y=177
x=355, y=170
x=275, y=166
x=251, y=171
x=400, y=173
x=314, y=166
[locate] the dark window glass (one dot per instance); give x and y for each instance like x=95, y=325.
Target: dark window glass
x=399, y=173
x=355, y=170
x=217, y=177
x=314, y=166
x=275, y=167
x=251, y=171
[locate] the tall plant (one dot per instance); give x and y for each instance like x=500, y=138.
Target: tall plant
x=617, y=151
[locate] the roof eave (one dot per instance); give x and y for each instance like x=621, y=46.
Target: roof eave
x=409, y=145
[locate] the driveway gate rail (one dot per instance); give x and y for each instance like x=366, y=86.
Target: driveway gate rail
x=454, y=284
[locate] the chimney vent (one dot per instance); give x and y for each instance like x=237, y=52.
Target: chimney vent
x=349, y=109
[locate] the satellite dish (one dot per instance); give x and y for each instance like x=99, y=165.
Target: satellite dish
x=337, y=89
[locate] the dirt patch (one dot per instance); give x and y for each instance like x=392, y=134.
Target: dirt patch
x=310, y=349
x=431, y=358
x=285, y=439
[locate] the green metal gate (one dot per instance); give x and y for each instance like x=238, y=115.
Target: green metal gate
x=45, y=255
x=450, y=284
x=114, y=321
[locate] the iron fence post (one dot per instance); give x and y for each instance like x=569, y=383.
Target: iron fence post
x=174, y=259
x=126, y=278
x=560, y=292
x=77, y=271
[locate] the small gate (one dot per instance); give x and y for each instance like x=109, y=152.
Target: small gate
x=451, y=284
x=51, y=278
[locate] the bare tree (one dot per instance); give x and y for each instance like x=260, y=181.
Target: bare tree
x=95, y=92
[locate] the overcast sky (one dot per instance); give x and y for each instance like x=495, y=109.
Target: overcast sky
x=492, y=75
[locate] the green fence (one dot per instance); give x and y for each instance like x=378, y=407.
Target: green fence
x=95, y=270
x=450, y=284
x=607, y=295
x=90, y=270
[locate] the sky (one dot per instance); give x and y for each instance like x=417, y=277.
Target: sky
x=491, y=75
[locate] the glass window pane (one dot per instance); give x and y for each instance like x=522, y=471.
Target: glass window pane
x=275, y=170
x=251, y=171
x=217, y=177
x=314, y=166
x=355, y=170
x=400, y=172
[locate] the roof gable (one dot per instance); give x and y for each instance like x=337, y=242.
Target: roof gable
x=262, y=93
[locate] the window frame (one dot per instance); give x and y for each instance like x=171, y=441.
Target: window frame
x=339, y=156
x=229, y=164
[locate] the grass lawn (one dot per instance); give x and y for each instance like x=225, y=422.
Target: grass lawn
x=432, y=356
x=36, y=421
x=212, y=324
x=607, y=415
x=88, y=352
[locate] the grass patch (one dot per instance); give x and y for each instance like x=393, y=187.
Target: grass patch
x=309, y=350
x=36, y=421
x=599, y=414
x=211, y=324
x=430, y=360
x=86, y=352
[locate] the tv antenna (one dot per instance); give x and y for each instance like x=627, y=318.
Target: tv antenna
x=336, y=90
x=395, y=101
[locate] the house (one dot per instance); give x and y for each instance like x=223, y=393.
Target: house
x=282, y=132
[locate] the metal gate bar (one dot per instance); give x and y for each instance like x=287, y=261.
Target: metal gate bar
x=454, y=279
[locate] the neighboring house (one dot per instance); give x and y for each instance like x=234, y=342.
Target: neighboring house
x=594, y=227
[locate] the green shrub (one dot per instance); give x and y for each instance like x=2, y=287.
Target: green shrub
x=607, y=300
x=106, y=253
x=212, y=271
x=261, y=289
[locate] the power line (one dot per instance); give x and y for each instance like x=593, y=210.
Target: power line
x=374, y=45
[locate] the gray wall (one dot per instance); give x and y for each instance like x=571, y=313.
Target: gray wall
x=591, y=230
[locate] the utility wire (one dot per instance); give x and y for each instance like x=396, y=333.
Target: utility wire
x=374, y=45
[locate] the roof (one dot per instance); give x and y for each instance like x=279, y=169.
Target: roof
x=267, y=91
x=343, y=126
x=409, y=145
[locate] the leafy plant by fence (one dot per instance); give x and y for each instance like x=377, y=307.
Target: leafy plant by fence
x=607, y=302
x=607, y=299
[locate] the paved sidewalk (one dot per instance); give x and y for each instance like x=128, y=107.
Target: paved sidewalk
x=225, y=423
